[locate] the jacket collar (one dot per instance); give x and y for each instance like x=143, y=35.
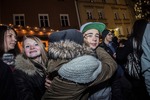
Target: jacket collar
x=25, y=65
x=68, y=50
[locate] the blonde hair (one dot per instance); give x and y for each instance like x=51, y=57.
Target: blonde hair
x=40, y=43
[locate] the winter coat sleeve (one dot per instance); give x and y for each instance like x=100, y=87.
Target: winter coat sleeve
x=145, y=58
x=7, y=86
x=109, y=66
x=24, y=89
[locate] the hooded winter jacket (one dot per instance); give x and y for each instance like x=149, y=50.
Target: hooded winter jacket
x=63, y=53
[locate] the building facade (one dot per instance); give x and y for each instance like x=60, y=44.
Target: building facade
x=38, y=17
x=116, y=14
x=41, y=18
x=55, y=14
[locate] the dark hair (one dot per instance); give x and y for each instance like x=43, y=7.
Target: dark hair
x=138, y=31
x=123, y=41
x=3, y=29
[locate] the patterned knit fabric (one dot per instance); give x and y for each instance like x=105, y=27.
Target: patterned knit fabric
x=82, y=69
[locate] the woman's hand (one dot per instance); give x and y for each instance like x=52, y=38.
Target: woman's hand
x=47, y=83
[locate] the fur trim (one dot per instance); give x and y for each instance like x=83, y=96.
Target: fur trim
x=25, y=65
x=67, y=50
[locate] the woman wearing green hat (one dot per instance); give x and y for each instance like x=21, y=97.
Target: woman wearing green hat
x=91, y=32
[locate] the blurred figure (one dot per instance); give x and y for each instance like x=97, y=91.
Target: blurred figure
x=8, y=51
x=145, y=59
x=138, y=87
x=115, y=40
x=30, y=69
x=108, y=44
x=122, y=42
x=111, y=47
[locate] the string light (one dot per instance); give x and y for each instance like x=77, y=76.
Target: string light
x=27, y=30
x=142, y=9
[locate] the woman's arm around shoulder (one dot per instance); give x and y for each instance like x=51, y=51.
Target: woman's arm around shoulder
x=109, y=65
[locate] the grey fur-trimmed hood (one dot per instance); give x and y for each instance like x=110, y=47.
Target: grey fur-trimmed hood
x=25, y=65
x=68, y=50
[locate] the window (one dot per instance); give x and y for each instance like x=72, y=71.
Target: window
x=89, y=14
x=116, y=15
x=124, y=16
x=91, y=0
x=116, y=1
x=43, y=20
x=119, y=31
x=127, y=30
x=19, y=19
x=104, y=1
x=101, y=14
x=64, y=19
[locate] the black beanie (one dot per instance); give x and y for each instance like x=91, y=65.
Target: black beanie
x=104, y=33
x=69, y=34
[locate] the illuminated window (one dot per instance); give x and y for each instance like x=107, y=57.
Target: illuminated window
x=89, y=14
x=124, y=16
x=43, y=20
x=101, y=14
x=116, y=1
x=91, y=0
x=116, y=15
x=64, y=19
x=127, y=30
x=19, y=19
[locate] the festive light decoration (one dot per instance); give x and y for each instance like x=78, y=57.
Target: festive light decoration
x=142, y=9
x=42, y=33
x=27, y=30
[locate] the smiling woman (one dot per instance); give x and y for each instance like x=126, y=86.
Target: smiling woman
x=8, y=51
x=8, y=39
x=32, y=49
x=30, y=69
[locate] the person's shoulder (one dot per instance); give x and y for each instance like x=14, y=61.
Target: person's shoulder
x=2, y=64
x=102, y=44
x=99, y=48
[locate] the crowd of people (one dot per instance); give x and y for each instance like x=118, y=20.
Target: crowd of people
x=77, y=66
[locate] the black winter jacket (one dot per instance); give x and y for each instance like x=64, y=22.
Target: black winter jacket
x=7, y=86
x=29, y=79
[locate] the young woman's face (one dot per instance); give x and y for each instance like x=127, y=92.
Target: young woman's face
x=9, y=40
x=92, y=38
x=32, y=49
